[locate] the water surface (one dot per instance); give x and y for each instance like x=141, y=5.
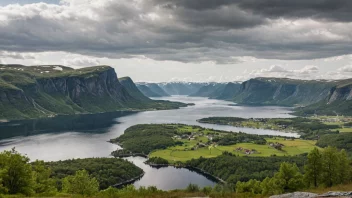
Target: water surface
x=84, y=136
x=168, y=178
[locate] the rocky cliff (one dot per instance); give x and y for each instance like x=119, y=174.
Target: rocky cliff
x=337, y=102
x=132, y=89
x=228, y=92
x=286, y=92
x=41, y=91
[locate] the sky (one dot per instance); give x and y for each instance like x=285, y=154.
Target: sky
x=183, y=40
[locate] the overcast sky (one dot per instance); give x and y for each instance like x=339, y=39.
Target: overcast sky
x=188, y=40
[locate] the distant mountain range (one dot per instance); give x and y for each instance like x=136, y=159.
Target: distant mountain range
x=42, y=91
x=309, y=96
x=223, y=91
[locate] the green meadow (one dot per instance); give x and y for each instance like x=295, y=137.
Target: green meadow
x=184, y=152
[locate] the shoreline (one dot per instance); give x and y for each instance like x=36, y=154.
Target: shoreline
x=190, y=168
x=130, y=181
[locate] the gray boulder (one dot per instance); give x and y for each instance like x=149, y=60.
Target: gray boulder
x=296, y=195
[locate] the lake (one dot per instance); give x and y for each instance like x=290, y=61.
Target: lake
x=83, y=136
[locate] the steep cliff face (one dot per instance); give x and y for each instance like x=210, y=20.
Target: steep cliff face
x=29, y=92
x=340, y=93
x=132, y=89
x=338, y=101
x=228, y=92
x=287, y=92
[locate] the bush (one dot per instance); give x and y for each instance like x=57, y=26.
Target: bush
x=192, y=188
x=81, y=183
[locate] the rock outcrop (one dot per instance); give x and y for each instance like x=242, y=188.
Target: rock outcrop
x=338, y=101
x=313, y=195
x=296, y=195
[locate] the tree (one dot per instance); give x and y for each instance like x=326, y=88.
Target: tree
x=252, y=186
x=271, y=186
x=80, y=183
x=192, y=188
x=16, y=173
x=344, y=168
x=3, y=190
x=313, y=169
x=43, y=184
x=330, y=166
x=291, y=178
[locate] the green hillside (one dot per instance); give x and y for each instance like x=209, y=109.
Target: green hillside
x=45, y=91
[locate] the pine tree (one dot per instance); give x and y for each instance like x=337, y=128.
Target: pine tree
x=313, y=169
x=343, y=167
x=330, y=166
x=290, y=176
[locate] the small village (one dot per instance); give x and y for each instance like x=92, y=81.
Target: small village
x=194, y=136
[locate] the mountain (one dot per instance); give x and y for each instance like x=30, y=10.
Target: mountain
x=228, y=92
x=338, y=101
x=132, y=89
x=147, y=91
x=157, y=89
x=282, y=91
x=181, y=88
x=208, y=89
x=42, y=91
x=151, y=90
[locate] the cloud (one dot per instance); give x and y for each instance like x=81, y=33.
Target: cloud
x=347, y=68
x=180, y=30
x=334, y=10
x=15, y=55
x=76, y=60
x=307, y=72
x=276, y=68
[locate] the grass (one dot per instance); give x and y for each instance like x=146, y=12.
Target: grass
x=178, y=153
x=322, y=190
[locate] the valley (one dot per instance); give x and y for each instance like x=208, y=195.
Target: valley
x=86, y=136
x=201, y=133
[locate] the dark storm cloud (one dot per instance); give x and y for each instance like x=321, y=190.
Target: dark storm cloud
x=193, y=4
x=182, y=30
x=336, y=10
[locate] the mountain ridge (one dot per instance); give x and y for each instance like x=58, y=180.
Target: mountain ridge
x=42, y=91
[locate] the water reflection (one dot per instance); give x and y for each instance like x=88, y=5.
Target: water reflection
x=168, y=178
x=82, y=136
x=88, y=123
